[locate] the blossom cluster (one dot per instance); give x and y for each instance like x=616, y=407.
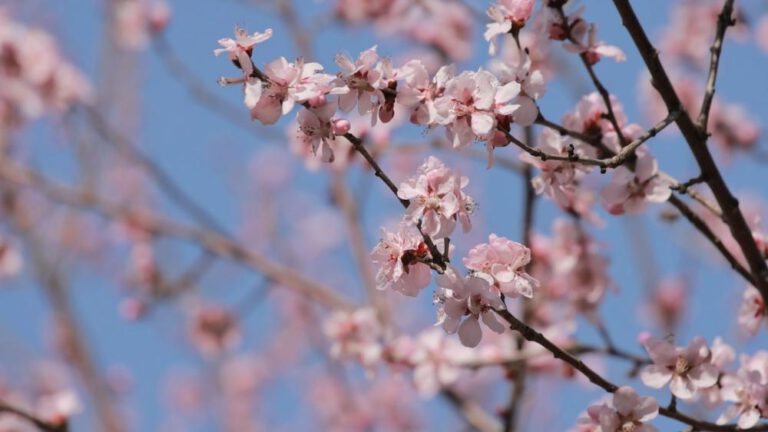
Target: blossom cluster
x=34, y=77
x=471, y=105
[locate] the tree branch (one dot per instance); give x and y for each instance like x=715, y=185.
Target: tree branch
x=697, y=143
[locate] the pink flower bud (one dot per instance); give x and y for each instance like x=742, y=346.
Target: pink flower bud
x=340, y=126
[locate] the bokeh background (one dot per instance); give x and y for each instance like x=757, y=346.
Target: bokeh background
x=244, y=175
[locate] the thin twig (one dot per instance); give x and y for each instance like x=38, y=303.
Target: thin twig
x=612, y=162
x=724, y=20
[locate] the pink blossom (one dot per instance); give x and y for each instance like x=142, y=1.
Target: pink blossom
x=35, y=78
x=593, y=49
x=462, y=302
x=317, y=130
x=670, y=298
x=732, y=127
x=355, y=335
x=213, y=330
x=445, y=26
x=240, y=48
x=747, y=389
x=134, y=21
x=691, y=30
x=363, y=77
x=557, y=179
x=435, y=196
x=58, y=407
x=508, y=16
x=686, y=369
x=357, y=11
x=752, y=311
x=419, y=92
x=628, y=191
x=761, y=33
x=588, y=116
x=501, y=262
x=626, y=412
x=470, y=105
x=722, y=356
x=11, y=261
x=399, y=255
x=433, y=357
x=578, y=269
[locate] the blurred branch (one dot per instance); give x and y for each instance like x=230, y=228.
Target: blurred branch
x=69, y=333
x=472, y=413
x=216, y=243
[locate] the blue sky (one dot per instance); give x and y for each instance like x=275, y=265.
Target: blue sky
x=211, y=158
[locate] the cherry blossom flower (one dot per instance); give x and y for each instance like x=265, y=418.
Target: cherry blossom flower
x=471, y=297
x=588, y=116
x=357, y=11
x=213, y=330
x=134, y=21
x=627, y=411
x=578, y=270
x=686, y=369
x=355, y=335
x=628, y=191
x=419, y=92
x=670, y=298
x=557, y=179
x=363, y=77
x=470, y=103
x=752, y=311
x=501, y=262
x=433, y=357
x=35, y=78
x=445, y=26
x=732, y=127
x=435, y=196
x=520, y=69
x=722, y=356
x=240, y=48
x=747, y=389
x=318, y=129
x=593, y=49
x=399, y=255
x=58, y=407
x=508, y=16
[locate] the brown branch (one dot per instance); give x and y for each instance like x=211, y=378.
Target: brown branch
x=724, y=20
x=39, y=423
x=438, y=262
x=707, y=232
x=592, y=75
x=612, y=162
x=532, y=335
x=697, y=142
